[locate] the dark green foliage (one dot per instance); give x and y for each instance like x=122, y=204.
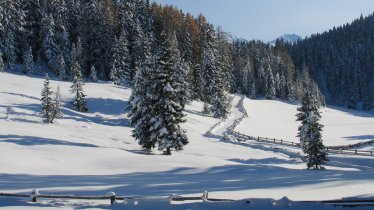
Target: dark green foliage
x=47, y=103
x=310, y=132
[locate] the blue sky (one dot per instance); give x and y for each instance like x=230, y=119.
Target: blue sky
x=268, y=19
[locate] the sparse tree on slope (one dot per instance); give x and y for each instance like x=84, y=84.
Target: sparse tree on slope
x=47, y=103
x=28, y=62
x=79, y=102
x=57, y=113
x=310, y=132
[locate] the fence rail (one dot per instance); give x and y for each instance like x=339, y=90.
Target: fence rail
x=333, y=149
x=34, y=196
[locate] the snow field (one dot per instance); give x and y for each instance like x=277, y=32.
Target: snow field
x=276, y=119
x=93, y=153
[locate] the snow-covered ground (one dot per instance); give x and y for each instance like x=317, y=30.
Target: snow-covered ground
x=276, y=119
x=93, y=153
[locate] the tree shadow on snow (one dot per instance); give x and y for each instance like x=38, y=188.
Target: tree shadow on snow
x=106, y=106
x=36, y=141
x=183, y=180
x=21, y=95
x=361, y=137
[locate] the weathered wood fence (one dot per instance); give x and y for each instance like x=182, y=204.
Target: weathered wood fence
x=348, y=150
x=112, y=198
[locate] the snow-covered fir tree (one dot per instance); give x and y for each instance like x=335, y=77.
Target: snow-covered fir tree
x=12, y=22
x=28, y=62
x=57, y=104
x=168, y=105
x=50, y=47
x=310, y=131
x=93, y=74
x=1, y=62
x=140, y=105
x=79, y=102
x=47, y=102
x=61, y=67
x=215, y=90
x=120, y=72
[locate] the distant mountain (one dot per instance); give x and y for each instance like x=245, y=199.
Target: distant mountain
x=233, y=38
x=287, y=38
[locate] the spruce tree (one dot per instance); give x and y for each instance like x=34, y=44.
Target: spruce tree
x=120, y=72
x=214, y=75
x=168, y=105
x=310, y=132
x=12, y=22
x=79, y=102
x=93, y=74
x=1, y=62
x=50, y=47
x=28, y=62
x=140, y=105
x=57, y=113
x=47, y=103
x=61, y=67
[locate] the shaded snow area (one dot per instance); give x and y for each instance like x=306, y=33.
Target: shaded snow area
x=93, y=153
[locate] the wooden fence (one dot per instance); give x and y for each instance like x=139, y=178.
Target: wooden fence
x=333, y=149
x=111, y=197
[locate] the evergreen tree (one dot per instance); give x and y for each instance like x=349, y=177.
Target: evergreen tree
x=12, y=22
x=28, y=62
x=79, y=102
x=61, y=67
x=120, y=72
x=215, y=90
x=140, y=106
x=310, y=131
x=1, y=62
x=93, y=74
x=57, y=113
x=168, y=105
x=47, y=103
x=50, y=47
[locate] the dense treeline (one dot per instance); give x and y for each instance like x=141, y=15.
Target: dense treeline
x=111, y=40
x=341, y=61
x=260, y=69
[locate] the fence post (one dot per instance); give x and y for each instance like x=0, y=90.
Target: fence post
x=281, y=141
x=205, y=195
x=371, y=152
x=274, y=140
x=34, y=195
x=356, y=151
x=112, y=196
x=341, y=151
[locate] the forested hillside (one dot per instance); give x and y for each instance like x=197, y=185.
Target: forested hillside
x=112, y=39
x=341, y=61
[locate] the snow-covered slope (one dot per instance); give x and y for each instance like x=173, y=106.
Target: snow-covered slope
x=93, y=153
x=287, y=38
x=276, y=119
